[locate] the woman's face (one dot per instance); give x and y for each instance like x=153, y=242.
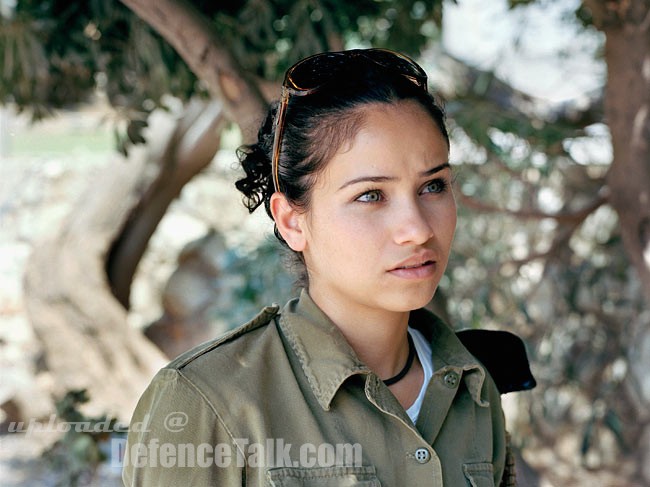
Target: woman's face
x=382, y=216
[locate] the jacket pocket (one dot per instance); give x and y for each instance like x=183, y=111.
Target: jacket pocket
x=323, y=477
x=479, y=474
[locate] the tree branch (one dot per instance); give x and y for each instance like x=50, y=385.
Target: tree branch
x=190, y=33
x=189, y=149
x=565, y=218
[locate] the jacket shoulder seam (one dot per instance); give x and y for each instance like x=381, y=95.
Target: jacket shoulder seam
x=262, y=319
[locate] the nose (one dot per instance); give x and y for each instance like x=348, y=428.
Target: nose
x=413, y=224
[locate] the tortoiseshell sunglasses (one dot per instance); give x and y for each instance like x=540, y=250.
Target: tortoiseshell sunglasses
x=307, y=76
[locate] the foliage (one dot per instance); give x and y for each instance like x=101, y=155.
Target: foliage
x=270, y=36
x=78, y=453
x=57, y=54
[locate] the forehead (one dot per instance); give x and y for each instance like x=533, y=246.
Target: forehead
x=398, y=130
x=390, y=137
x=386, y=124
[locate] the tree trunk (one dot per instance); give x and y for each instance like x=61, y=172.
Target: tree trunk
x=86, y=339
x=627, y=110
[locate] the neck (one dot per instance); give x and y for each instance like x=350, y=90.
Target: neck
x=378, y=337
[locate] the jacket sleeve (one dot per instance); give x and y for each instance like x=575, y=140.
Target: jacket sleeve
x=176, y=438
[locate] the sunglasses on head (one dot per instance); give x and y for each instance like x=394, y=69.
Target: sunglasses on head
x=309, y=75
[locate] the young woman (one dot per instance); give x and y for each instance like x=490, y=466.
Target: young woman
x=352, y=383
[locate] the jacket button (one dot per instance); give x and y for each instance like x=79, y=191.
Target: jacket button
x=422, y=455
x=451, y=379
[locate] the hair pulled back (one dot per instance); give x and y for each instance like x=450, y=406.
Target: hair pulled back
x=316, y=127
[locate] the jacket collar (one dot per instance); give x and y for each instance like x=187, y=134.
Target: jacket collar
x=327, y=359
x=449, y=354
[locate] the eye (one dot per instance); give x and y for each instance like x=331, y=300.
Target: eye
x=435, y=186
x=372, y=196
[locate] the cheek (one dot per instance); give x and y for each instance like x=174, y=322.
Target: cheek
x=327, y=231
x=348, y=236
x=443, y=221
x=342, y=237
x=451, y=221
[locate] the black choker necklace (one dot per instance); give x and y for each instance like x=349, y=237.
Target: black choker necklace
x=407, y=366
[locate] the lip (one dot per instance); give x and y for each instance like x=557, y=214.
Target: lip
x=420, y=266
x=416, y=260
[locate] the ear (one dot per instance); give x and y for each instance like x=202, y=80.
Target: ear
x=289, y=221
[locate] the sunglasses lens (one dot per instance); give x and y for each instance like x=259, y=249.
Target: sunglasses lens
x=399, y=64
x=315, y=70
x=309, y=73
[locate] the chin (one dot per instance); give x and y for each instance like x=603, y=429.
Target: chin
x=413, y=300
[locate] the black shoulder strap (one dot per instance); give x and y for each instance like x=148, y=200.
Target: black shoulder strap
x=504, y=356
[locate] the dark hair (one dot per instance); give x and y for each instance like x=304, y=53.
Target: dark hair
x=316, y=126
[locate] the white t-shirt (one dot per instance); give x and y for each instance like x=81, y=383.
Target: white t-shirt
x=424, y=355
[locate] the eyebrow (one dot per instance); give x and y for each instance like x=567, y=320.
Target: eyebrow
x=381, y=179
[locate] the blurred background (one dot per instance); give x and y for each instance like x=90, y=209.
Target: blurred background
x=123, y=241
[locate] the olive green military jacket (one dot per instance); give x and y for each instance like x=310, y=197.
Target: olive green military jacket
x=284, y=401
